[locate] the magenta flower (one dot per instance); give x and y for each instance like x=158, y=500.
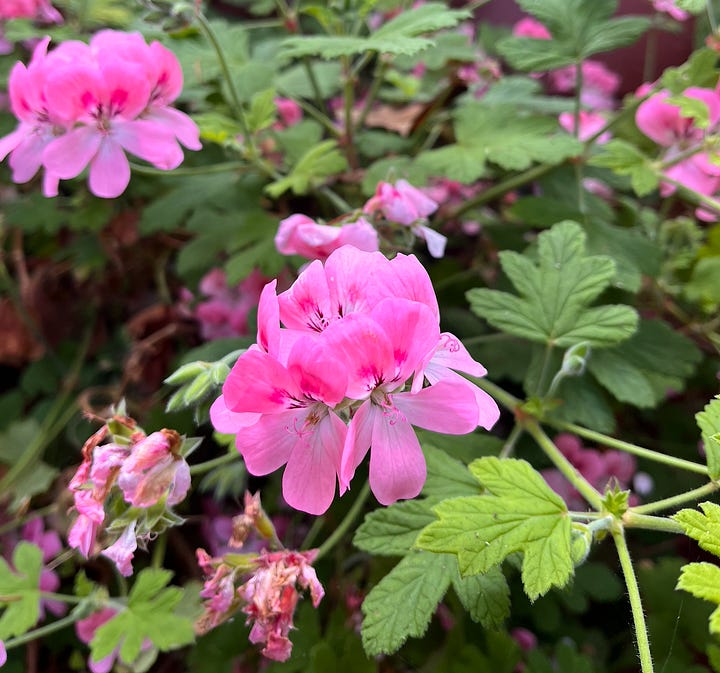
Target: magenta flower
x=589, y=123
x=599, y=84
x=529, y=27
x=3, y=655
x=272, y=594
x=669, y=7
x=299, y=235
x=289, y=111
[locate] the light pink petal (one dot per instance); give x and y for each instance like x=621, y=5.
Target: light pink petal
x=658, y=120
x=109, y=170
x=317, y=371
x=357, y=280
x=9, y=142
x=311, y=473
x=268, y=444
x=26, y=158
x=180, y=484
x=126, y=90
x=229, y=422
x=67, y=156
x=82, y=535
x=150, y=141
x=357, y=442
x=121, y=552
x=413, y=332
x=397, y=464
x=169, y=76
x=259, y=384
x=360, y=234
x=3, y=653
x=268, y=319
x=435, y=241
x=75, y=91
x=409, y=279
x=306, y=305
x=178, y=123
x=452, y=354
x=449, y=407
x=367, y=351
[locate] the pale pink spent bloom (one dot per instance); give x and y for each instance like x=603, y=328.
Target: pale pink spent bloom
x=122, y=551
x=589, y=124
x=670, y=7
x=297, y=426
x=599, y=85
x=221, y=600
x=300, y=235
x=289, y=111
x=381, y=351
x=39, y=124
x=155, y=470
x=529, y=27
x=271, y=595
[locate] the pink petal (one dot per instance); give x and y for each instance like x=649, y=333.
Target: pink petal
x=435, y=241
x=397, y=464
x=67, y=156
x=177, y=123
x=229, y=422
x=150, y=141
x=267, y=445
x=409, y=279
x=317, y=371
x=658, y=120
x=452, y=354
x=109, y=170
x=311, y=473
x=357, y=442
x=306, y=305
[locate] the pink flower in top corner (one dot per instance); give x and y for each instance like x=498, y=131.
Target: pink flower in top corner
x=272, y=594
x=155, y=470
x=670, y=7
x=529, y=27
x=589, y=122
x=300, y=235
x=41, y=10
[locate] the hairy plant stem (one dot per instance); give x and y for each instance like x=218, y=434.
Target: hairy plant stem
x=348, y=100
x=69, y=620
x=582, y=485
x=224, y=167
x=30, y=516
x=632, y=519
x=641, y=633
x=692, y=195
x=499, y=190
x=320, y=118
x=509, y=446
x=378, y=78
x=345, y=524
x=676, y=500
x=202, y=468
x=627, y=447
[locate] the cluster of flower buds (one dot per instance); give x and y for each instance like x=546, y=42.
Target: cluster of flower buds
x=392, y=206
x=346, y=375
x=135, y=476
x=83, y=105
x=262, y=585
x=688, y=161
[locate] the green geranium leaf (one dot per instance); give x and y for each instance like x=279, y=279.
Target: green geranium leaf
x=555, y=294
x=625, y=159
x=708, y=421
x=702, y=526
x=702, y=580
x=485, y=597
x=150, y=614
x=520, y=513
x=402, y=603
x=642, y=369
x=579, y=29
x=447, y=477
x=391, y=531
x=319, y=162
x=497, y=134
x=20, y=590
x=400, y=35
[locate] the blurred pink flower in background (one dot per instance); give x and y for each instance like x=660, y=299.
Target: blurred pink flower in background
x=589, y=122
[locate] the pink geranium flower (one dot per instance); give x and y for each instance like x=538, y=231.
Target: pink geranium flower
x=529, y=27
x=300, y=235
x=122, y=551
x=670, y=7
x=599, y=84
x=589, y=123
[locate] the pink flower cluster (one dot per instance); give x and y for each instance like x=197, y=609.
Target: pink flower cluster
x=224, y=311
x=664, y=123
x=86, y=105
x=598, y=467
x=670, y=7
x=147, y=470
x=345, y=376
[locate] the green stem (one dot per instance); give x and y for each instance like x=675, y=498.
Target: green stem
x=694, y=196
x=349, y=101
x=338, y=202
x=378, y=78
x=539, y=388
x=632, y=519
x=711, y=16
x=582, y=485
x=585, y=516
x=510, y=442
x=313, y=532
x=499, y=190
x=64, y=598
x=640, y=451
x=578, y=96
x=676, y=500
x=46, y=630
x=224, y=167
x=158, y=552
x=641, y=633
x=321, y=118
x=202, y=468
x=345, y=524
